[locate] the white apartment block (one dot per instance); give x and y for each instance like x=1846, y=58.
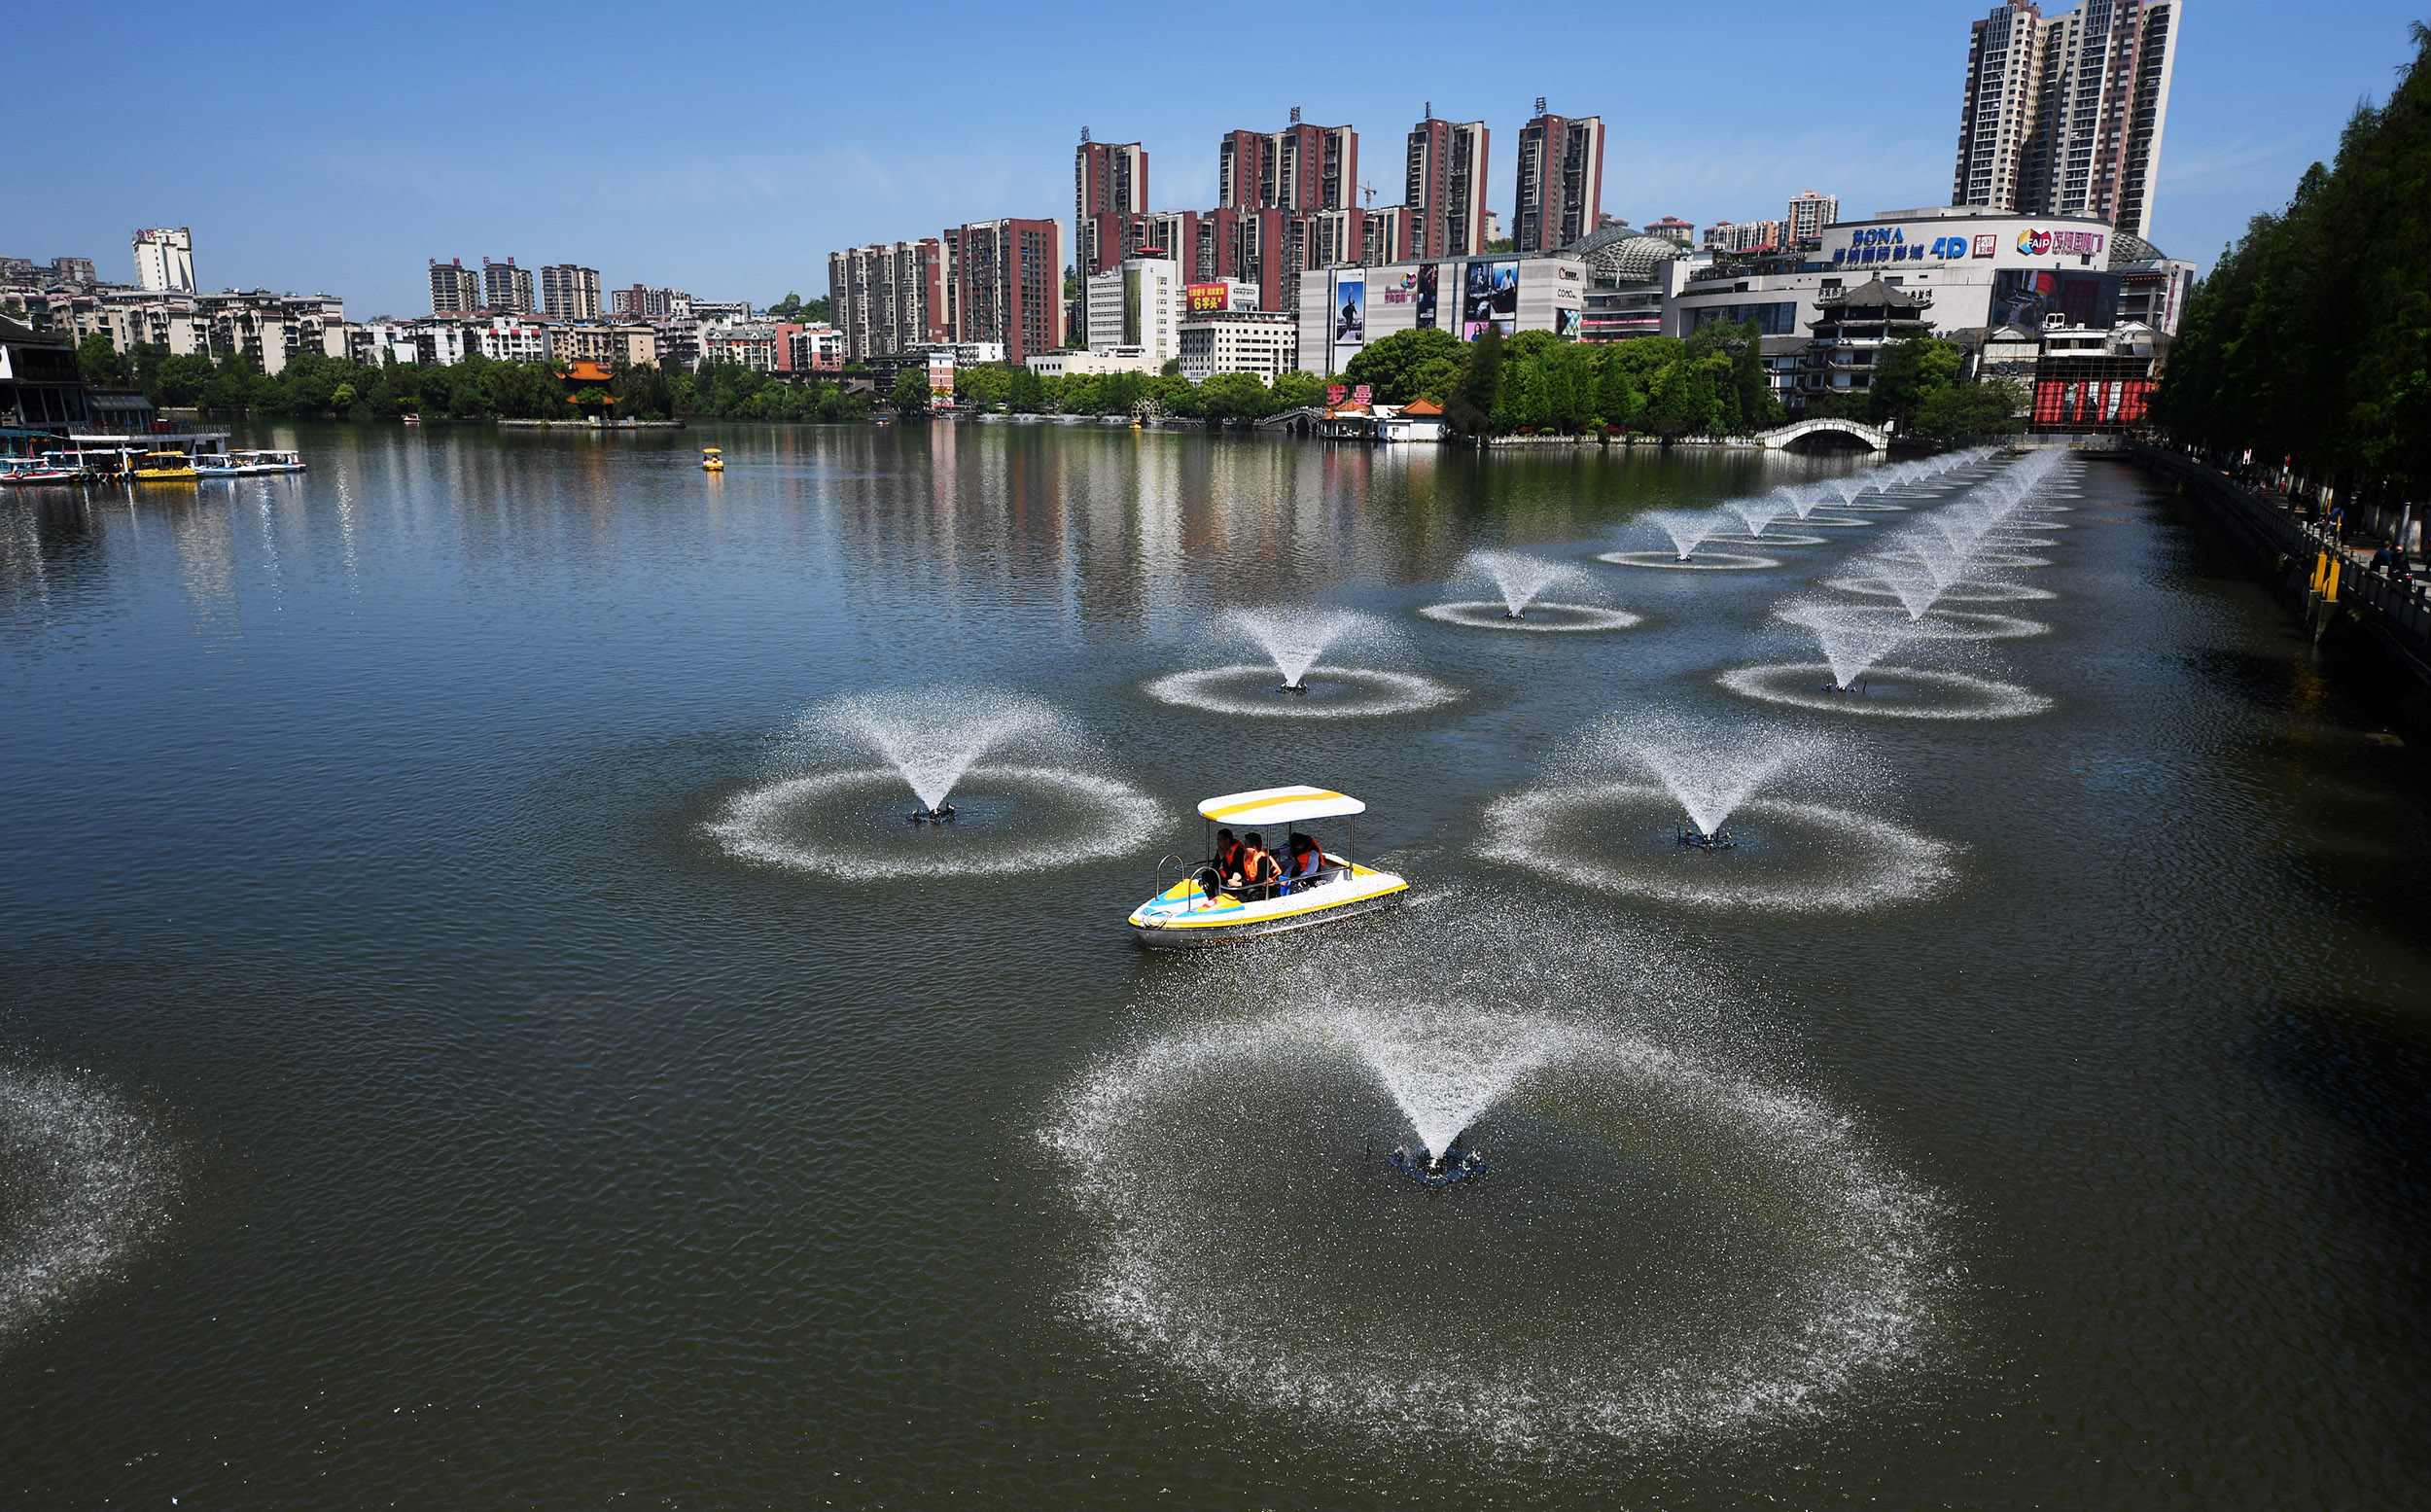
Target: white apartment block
x=164, y=260
x=1137, y=303
x=1265, y=342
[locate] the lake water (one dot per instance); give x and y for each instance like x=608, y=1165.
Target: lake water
x=416, y=1095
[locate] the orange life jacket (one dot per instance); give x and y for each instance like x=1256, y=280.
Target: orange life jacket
x=1306, y=863
x=1257, y=868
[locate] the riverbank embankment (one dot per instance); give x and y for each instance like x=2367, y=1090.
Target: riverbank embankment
x=2328, y=581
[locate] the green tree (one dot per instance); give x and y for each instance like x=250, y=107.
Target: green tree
x=787, y=308
x=98, y=360
x=1393, y=366
x=1234, y=396
x=1300, y=390
x=1471, y=408
x=910, y=394
x=1963, y=411
x=1906, y=373
x=1025, y=393
x=985, y=384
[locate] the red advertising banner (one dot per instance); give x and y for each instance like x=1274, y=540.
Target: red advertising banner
x=1208, y=296
x=1334, y=393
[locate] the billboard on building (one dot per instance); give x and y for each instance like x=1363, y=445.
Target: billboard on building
x=1350, y=310
x=1430, y=282
x=1206, y=299
x=1564, y=324
x=2025, y=295
x=1489, y=294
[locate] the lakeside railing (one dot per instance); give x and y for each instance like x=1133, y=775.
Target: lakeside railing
x=2398, y=610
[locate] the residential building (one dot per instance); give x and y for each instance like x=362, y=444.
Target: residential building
x=1809, y=214
x=752, y=343
x=164, y=260
x=1388, y=235
x=1004, y=282
x=1137, y=303
x=1302, y=167
x=1672, y=229
x=455, y=289
x=505, y=288
x=621, y=343
x=1444, y=190
x=1109, y=196
x=809, y=349
x=1751, y=236
x=1342, y=310
x=73, y=272
x=1561, y=181
x=1241, y=340
x=642, y=302
x=569, y=292
x=887, y=298
x=2063, y=115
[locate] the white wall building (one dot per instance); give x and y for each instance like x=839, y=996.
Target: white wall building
x=164, y=260
x=1982, y=268
x=1265, y=342
x=1060, y=364
x=1343, y=309
x=1137, y=303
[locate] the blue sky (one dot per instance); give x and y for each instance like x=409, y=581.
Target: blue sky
x=727, y=149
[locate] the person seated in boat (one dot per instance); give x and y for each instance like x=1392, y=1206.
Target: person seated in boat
x=1257, y=877
x=1306, y=862
x=1222, y=867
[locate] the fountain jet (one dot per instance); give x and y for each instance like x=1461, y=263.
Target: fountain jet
x=1519, y=577
x=1688, y=528
x=1294, y=638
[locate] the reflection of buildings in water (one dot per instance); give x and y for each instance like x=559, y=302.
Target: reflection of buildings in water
x=206, y=558
x=49, y=542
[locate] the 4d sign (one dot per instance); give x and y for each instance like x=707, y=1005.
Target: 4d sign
x=1961, y=246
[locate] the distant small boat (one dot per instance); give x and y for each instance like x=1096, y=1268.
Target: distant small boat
x=712, y=460
x=249, y=464
x=165, y=467
x=28, y=469
x=411, y=419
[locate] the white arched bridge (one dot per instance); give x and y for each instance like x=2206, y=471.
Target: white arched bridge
x=1873, y=436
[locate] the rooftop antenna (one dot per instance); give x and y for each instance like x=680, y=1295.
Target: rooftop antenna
x=1295, y=115
x=1430, y=111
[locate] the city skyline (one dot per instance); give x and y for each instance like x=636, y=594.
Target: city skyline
x=733, y=209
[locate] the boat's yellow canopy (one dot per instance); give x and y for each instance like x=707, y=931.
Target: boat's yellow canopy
x=1280, y=806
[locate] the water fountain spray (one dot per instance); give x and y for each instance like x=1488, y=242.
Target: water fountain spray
x=1294, y=638
x=1519, y=577
x=1687, y=528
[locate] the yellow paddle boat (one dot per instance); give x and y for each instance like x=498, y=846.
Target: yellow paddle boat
x=1200, y=910
x=711, y=460
x=165, y=467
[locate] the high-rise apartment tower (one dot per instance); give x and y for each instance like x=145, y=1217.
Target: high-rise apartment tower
x=570, y=293
x=2063, y=115
x=1445, y=189
x=164, y=260
x=1561, y=181
x=1109, y=185
x=455, y=289
x=505, y=286
x=1809, y=214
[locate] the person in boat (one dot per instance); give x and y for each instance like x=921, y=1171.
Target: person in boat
x=1257, y=877
x=1223, y=866
x=1305, y=863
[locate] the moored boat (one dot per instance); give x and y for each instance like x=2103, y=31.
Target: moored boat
x=165, y=467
